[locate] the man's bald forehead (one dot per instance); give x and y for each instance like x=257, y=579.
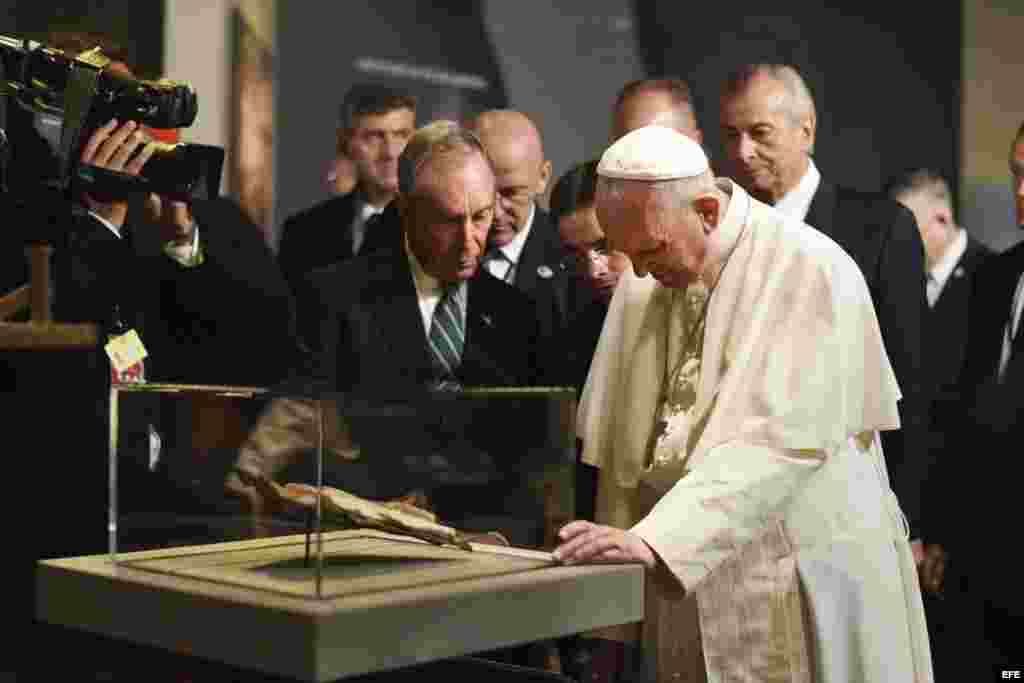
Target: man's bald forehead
x=664, y=102
x=505, y=126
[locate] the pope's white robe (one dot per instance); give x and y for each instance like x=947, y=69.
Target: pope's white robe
x=777, y=519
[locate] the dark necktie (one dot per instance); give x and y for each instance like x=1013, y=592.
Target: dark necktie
x=447, y=337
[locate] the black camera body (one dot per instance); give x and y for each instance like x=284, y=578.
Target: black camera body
x=60, y=100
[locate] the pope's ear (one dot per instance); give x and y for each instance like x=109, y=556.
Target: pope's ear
x=709, y=207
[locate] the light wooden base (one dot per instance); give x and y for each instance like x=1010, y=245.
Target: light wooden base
x=33, y=336
x=391, y=601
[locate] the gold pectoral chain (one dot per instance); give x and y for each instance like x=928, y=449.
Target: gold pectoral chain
x=673, y=399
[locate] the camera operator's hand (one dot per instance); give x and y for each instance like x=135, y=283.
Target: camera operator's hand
x=116, y=147
x=174, y=219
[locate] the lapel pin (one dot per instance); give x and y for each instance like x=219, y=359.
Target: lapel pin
x=487, y=320
x=959, y=272
x=545, y=272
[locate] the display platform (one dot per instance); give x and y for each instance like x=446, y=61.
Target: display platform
x=387, y=601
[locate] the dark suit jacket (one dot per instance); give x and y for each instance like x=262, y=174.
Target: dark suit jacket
x=372, y=346
x=882, y=237
x=981, y=482
x=539, y=274
x=946, y=322
x=542, y=255
x=372, y=338
x=199, y=325
x=319, y=236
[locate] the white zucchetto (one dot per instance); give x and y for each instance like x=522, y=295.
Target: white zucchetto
x=653, y=153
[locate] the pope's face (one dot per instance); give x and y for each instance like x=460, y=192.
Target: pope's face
x=658, y=234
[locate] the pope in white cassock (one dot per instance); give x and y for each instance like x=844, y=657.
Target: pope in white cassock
x=733, y=408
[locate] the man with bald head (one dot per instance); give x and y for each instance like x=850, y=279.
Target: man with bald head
x=524, y=249
x=655, y=101
x=768, y=122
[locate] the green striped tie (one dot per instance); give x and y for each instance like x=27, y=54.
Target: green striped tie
x=447, y=335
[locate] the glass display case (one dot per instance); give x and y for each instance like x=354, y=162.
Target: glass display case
x=325, y=496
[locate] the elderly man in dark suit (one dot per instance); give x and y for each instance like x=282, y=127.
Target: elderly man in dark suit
x=376, y=122
x=523, y=246
x=768, y=124
x=421, y=315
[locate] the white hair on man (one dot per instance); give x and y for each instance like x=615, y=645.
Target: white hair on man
x=435, y=139
x=799, y=103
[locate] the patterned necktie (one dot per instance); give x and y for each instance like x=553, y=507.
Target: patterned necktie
x=447, y=336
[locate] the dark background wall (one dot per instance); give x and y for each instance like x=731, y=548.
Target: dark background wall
x=136, y=25
x=887, y=86
x=886, y=83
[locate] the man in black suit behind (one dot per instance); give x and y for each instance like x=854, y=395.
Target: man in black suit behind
x=194, y=280
x=768, y=123
x=524, y=249
x=953, y=257
x=376, y=122
x=984, y=477
x=954, y=260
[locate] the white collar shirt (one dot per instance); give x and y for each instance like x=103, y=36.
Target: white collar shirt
x=939, y=274
x=797, y=202
x=429, y=291
x=1012, y=326
x=505, y=268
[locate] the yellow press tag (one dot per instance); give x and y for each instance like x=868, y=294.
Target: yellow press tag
x=125, y=351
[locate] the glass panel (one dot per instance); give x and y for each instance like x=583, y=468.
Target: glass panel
x=320, y=497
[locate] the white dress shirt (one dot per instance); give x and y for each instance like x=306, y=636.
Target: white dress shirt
x=185, y=254
x=938, y=275
x=429, y=290
x=797, y=202
x=1012, y=326
x=505, y=268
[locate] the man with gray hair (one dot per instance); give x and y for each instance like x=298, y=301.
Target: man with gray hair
x=734, y=407
x=401, y=320
x=769, y=123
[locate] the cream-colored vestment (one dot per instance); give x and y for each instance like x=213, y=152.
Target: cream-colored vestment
x=768, y=501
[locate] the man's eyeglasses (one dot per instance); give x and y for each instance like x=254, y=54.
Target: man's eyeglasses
x=577, y=261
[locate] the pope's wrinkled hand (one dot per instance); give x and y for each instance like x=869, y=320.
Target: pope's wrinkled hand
x=583, y=542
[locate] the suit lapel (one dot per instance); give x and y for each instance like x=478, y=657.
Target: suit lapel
x=395, y=305
x=530, y=258
x=821, y=214
x=484, y=330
